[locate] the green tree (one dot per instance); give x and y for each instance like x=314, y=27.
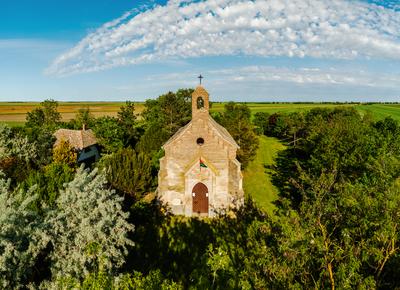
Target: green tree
x=83, y=118
x=109, y=133
x=46, y=184
x=261, y=121
x=21, y=238
x=130, y=172
x=45, y=116
x=344, y=201
x=236, y=119
x=17, y=154
x=88, y=229
x=64, y=153
x=128, y=120
x=171, y=111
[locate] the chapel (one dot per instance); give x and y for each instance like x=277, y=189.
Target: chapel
x=199, y=173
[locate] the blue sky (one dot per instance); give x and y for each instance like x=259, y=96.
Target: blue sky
x=260, y=50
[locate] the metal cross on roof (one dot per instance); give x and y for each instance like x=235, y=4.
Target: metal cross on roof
x=200, y=77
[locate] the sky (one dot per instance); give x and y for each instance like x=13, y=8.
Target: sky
x=247, y=50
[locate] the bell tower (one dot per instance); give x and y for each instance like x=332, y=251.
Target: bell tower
x=200, y=102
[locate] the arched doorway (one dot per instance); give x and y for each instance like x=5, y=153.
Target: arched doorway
x=200, y=198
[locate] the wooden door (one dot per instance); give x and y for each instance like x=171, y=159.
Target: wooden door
x=200, y=198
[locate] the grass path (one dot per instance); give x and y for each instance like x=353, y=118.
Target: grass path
x=256, y=179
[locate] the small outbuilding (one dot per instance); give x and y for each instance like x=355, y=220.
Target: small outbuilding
x=83, y=141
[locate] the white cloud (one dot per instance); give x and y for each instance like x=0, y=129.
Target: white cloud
x=337, y=29
x=310, y=76
x=263, y=74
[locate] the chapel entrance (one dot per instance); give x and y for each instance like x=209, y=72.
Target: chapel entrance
x=200, y=198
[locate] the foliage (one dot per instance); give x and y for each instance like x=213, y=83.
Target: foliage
x=21, y=238
x=109, y=133
x=39, y=128
x=171, y=111
x=128, y=121
x=88, y=229
x=153, y=138
x=342, y=183
x=236, y=119
x=64, y=153
x=46, y=185
x=335, y=225
x=84, y=118
x=15, y=145
x=137, y=281
x=16, y=154
x=164, y=116
x=45, y=116
x=130, y=172
x=261, y=121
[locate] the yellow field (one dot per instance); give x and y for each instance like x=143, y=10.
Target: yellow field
x=15, y=113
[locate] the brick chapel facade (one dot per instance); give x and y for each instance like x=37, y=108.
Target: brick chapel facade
x=199, y=174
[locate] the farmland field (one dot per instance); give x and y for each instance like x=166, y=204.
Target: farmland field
x=381, y=111
x=14, y=113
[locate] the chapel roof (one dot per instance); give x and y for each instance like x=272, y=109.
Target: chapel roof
x=79, y=139
x=218, y=128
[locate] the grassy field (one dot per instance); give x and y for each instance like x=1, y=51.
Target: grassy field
x=14, y=114
x=256, y=177
x=381, y=111
x=282, y=107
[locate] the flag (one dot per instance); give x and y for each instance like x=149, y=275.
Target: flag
x=202, y=164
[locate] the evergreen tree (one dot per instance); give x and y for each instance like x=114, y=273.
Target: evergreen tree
x=88, y=230
x=21, y=238
x=130, y=172
x=127, y=119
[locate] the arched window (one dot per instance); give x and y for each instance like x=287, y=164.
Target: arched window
x=200, y=103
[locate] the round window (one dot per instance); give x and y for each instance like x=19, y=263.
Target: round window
x=200, y=141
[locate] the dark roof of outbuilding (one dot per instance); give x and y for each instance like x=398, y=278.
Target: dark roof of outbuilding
x=79, y=139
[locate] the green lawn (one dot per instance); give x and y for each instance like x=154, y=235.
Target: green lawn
x=257, y=182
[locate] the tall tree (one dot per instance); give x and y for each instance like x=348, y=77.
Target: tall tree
x=171, y=111
x=45, y=116
x=236, y=119
x=83, y=118
x=127, y=119
x=130, y=172
x=109, y=133
x=261, y=121
x=88, y=230
x=21, y=238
